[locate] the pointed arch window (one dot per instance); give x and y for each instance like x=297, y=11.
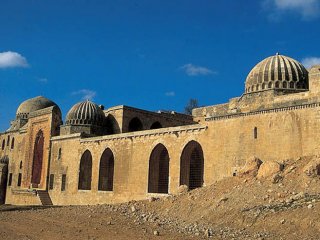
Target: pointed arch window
x=85, y=171
x=106, y=171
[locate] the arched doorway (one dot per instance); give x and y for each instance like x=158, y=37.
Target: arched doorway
x=158, y=170
x=135, y=124
x=37, y=159
x=106, y=171
x=85, y=171
x=191, y=165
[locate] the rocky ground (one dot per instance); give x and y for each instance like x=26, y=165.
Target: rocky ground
x=274, y=200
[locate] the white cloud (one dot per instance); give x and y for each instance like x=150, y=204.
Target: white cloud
x=86, y=94
x=310, y=61
x=170, y=94
x=308, y=9
x=12, y=59
x=193, y=70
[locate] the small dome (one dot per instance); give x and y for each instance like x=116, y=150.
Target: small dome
x=85, y=113
x=277, y=72
x=31, y=105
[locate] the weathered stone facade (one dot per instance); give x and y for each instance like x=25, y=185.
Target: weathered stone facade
x=123, y=153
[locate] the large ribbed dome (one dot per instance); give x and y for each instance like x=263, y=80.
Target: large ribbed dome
x=85, y=113
x=31, y=105
x=277, y=72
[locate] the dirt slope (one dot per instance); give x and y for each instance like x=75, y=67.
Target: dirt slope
x=282, y=207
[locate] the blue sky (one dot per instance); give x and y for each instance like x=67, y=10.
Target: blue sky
x=148, y=54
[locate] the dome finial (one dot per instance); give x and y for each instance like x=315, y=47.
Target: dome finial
x=277, y=53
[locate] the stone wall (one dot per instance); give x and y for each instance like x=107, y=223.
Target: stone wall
x=226, y=144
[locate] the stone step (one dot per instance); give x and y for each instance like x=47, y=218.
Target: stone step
x=44, y=198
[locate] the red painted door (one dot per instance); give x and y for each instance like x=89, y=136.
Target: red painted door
x=37, y=159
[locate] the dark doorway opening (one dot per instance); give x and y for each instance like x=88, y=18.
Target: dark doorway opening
x=135, y=125
x=191, y=165
x=156, y=125
x=159, y=170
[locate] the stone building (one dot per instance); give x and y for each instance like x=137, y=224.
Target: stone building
x=123, y=153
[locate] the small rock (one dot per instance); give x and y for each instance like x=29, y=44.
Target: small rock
x=310, y=206
x=156, y=233
x=133, y=209
x=282, y=221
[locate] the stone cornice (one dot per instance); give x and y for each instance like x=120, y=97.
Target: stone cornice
x=271, y=110
x=65, y=137
x=148, y=133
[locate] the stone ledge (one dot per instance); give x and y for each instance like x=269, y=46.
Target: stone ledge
x=282, y=109
x=24, y=191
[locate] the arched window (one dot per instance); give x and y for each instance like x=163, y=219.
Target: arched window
x=112, y=125
x=191, y=165
x=158, y=170
x=135, y=125
x=156, y=125
x=255, y=133
x=270, y=85
x=284, y=85
x=8, y=140
x=37, y=159
x=263, y=86
x=12, y=143
x=20, y=165
x=257, y=87
x=277, y=84
x=291, y=84
x=3, y=144
x=106, y=171
x=85, y=171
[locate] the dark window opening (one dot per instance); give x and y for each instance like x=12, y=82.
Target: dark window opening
x=284, y=84
x=20, y=165
x=8, y=141
x=59, y=153
x=63, y=182
x=3, y=144
x=19, y=179
x=106, y=171
x=10, y=179
x=12, y=143
x=270, y=85
x=277, y=85
x=255, y=133
x=234, y=173
x=135, y=125
x=156, y=125
x=318, y=169
x=191, y=165
x=291, y=84
x=85, y=171
x=51, y=180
